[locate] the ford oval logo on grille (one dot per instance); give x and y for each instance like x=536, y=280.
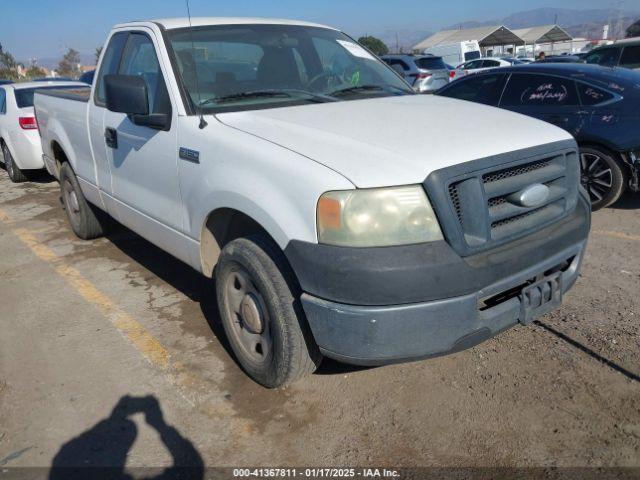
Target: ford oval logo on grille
x=531, y=196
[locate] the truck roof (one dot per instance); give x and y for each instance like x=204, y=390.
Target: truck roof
x=183, y=22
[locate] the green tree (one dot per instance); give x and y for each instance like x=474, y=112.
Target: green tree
x=69, y=65
x=634, y=30
x=35, y=72
x=98, y=52
x=374, y=44
x=8, y=66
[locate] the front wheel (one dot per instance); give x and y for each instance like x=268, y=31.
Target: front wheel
x=15, y=174
x=260, y=310
x=602, y=176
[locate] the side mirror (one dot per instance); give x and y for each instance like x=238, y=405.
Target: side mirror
x=126, y=94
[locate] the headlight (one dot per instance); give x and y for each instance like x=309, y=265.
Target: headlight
x=377, y=217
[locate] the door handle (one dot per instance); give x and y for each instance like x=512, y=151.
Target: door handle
x=111, y=137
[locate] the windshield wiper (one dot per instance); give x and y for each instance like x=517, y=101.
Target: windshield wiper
x=286, y=93
x=367, y=88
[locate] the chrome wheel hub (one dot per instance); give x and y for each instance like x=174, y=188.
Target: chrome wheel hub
x=251, y=314
x=72, y=198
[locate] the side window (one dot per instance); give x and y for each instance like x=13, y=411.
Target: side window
x=139, y=58
x=590, y=96
x=490, y=64
x=539, y=90
x=631, y=57
x=472, y=65
x=477, y=88
x=603, y=56
x=3, y=101
x=109, y=65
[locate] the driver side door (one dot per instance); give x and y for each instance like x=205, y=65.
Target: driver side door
x=143, y=160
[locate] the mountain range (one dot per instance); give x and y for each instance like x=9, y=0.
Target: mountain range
x=579, y=23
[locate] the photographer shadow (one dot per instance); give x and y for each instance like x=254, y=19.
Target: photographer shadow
x=101, y=452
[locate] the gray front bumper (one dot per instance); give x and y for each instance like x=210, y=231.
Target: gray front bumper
x=365, y=335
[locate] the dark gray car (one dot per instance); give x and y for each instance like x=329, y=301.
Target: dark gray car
x=625, y=53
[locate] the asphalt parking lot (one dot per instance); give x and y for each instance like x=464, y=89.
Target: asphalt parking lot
x=111, y=353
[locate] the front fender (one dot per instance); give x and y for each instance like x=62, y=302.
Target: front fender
x=277, y=188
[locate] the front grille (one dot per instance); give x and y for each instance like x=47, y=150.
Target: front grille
x=483, y=201
x=514, y=171
x=455, y=200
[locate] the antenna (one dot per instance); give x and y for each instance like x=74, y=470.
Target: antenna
x=203, y=122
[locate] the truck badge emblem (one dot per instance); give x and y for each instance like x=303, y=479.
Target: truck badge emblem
x=531, y=196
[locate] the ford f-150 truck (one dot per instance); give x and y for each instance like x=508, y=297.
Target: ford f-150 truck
x=338, y=212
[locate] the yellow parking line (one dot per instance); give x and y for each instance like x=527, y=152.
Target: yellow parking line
x=151, y=348
x=189, y=382
x=623, y=236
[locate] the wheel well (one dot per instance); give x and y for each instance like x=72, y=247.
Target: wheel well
x=58, y=153
x=223, y=226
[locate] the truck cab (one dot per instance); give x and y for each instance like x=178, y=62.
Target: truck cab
x=319, y=192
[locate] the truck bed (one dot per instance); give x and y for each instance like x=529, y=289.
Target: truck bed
x=62, y=119
x=80, y=94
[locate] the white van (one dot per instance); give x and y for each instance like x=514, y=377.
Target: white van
x=456, y=53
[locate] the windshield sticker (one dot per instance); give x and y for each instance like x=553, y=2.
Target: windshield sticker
x=355, y=78
x=545, y=93
x=355, y=49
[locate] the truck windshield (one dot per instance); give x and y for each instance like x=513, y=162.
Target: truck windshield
x=243, y=67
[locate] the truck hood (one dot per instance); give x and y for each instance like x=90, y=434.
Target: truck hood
x=394, y=140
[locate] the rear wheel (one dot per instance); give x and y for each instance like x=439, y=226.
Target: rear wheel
x=602, y=176
x=15, y=174
x=261, y=313
x=86, y=221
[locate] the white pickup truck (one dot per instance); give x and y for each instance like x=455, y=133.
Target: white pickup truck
x=340, y=214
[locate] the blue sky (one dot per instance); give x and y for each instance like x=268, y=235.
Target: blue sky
x=44, y=28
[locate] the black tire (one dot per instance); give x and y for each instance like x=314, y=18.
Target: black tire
x=86, y=221
x=602, y=175
x=287, y=350
x=15, y=174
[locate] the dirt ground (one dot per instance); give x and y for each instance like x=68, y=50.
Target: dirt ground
x=111, y=353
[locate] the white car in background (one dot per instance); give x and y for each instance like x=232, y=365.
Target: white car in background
x=482, y=64
x=19, y=136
